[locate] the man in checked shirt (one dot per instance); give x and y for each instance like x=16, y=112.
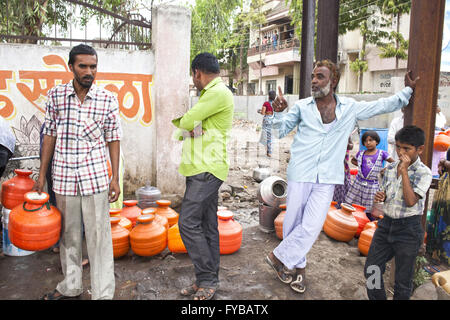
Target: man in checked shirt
x=81, y=120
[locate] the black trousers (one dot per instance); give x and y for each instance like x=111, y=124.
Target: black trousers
x=5, y=154
x=198, y=227
x=398, y=238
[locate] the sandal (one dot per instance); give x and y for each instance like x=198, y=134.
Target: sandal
x=282, y=273
x=204, y=293
x=431, y=269
x=298, y=285
x=56, y=295
x=189, y=291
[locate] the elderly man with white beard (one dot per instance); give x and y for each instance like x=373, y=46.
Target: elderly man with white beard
x=324, y=122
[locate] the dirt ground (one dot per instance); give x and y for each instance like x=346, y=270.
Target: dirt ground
x=334, y=270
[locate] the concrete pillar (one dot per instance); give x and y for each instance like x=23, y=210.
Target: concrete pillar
x=171, y=36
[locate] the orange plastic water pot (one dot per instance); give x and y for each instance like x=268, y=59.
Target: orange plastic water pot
x=333, y=205
x=174, y=241
x=340, y=224
x=34, y=225
x=279, y=222
x=148, y=238
x=131, y=211
x=163, y=209
x=361, y=218
x=230, y=232
x=14, y=189
x=124, y=222
x=162, y=220
x=365, y=239
x=441, y=142
x=120, y=238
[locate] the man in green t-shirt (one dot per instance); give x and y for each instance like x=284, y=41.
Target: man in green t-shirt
x=204, y=130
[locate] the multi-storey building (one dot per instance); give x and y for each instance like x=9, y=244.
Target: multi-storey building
x=272, y=65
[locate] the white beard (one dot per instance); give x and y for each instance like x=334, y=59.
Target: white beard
x=322, y=92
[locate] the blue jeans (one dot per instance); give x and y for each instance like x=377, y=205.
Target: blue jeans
x=398, y=238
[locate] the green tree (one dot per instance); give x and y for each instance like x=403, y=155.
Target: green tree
x=32, y=17
x=397, y=46
x=371, y=18
x=222, y=27
x=357, y=14
x=211, y=25
x=359, y=66
x=248, y=16
x=296, y=13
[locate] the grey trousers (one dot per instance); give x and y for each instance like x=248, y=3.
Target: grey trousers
x=198, y=227
x=93, y=212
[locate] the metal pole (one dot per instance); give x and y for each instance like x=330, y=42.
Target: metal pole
x=24, y=158
x=307, y=49
x=260, y=62
x=327, y=30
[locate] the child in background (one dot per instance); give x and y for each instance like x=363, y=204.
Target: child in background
x=400, y=234
x=266, y=132
x=340, y=190
x=370, y=163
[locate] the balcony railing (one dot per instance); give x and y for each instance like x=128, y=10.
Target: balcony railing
x=269, y=48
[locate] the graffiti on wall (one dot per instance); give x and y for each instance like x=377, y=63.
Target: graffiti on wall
x=33, y=85
x=23, y=94
x=27, y=134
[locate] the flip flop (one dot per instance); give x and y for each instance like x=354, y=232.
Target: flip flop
x=205, y=293
x=431, y=269
x=189, y=291
x=436, y=268
x=298, y=284
x=281, y=272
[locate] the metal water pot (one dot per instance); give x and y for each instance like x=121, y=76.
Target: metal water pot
x=267, y=215
x=261, y=173
x=272, y=191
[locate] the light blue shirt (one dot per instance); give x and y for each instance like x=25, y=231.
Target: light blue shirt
x=7, y=137
x=317, y=155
